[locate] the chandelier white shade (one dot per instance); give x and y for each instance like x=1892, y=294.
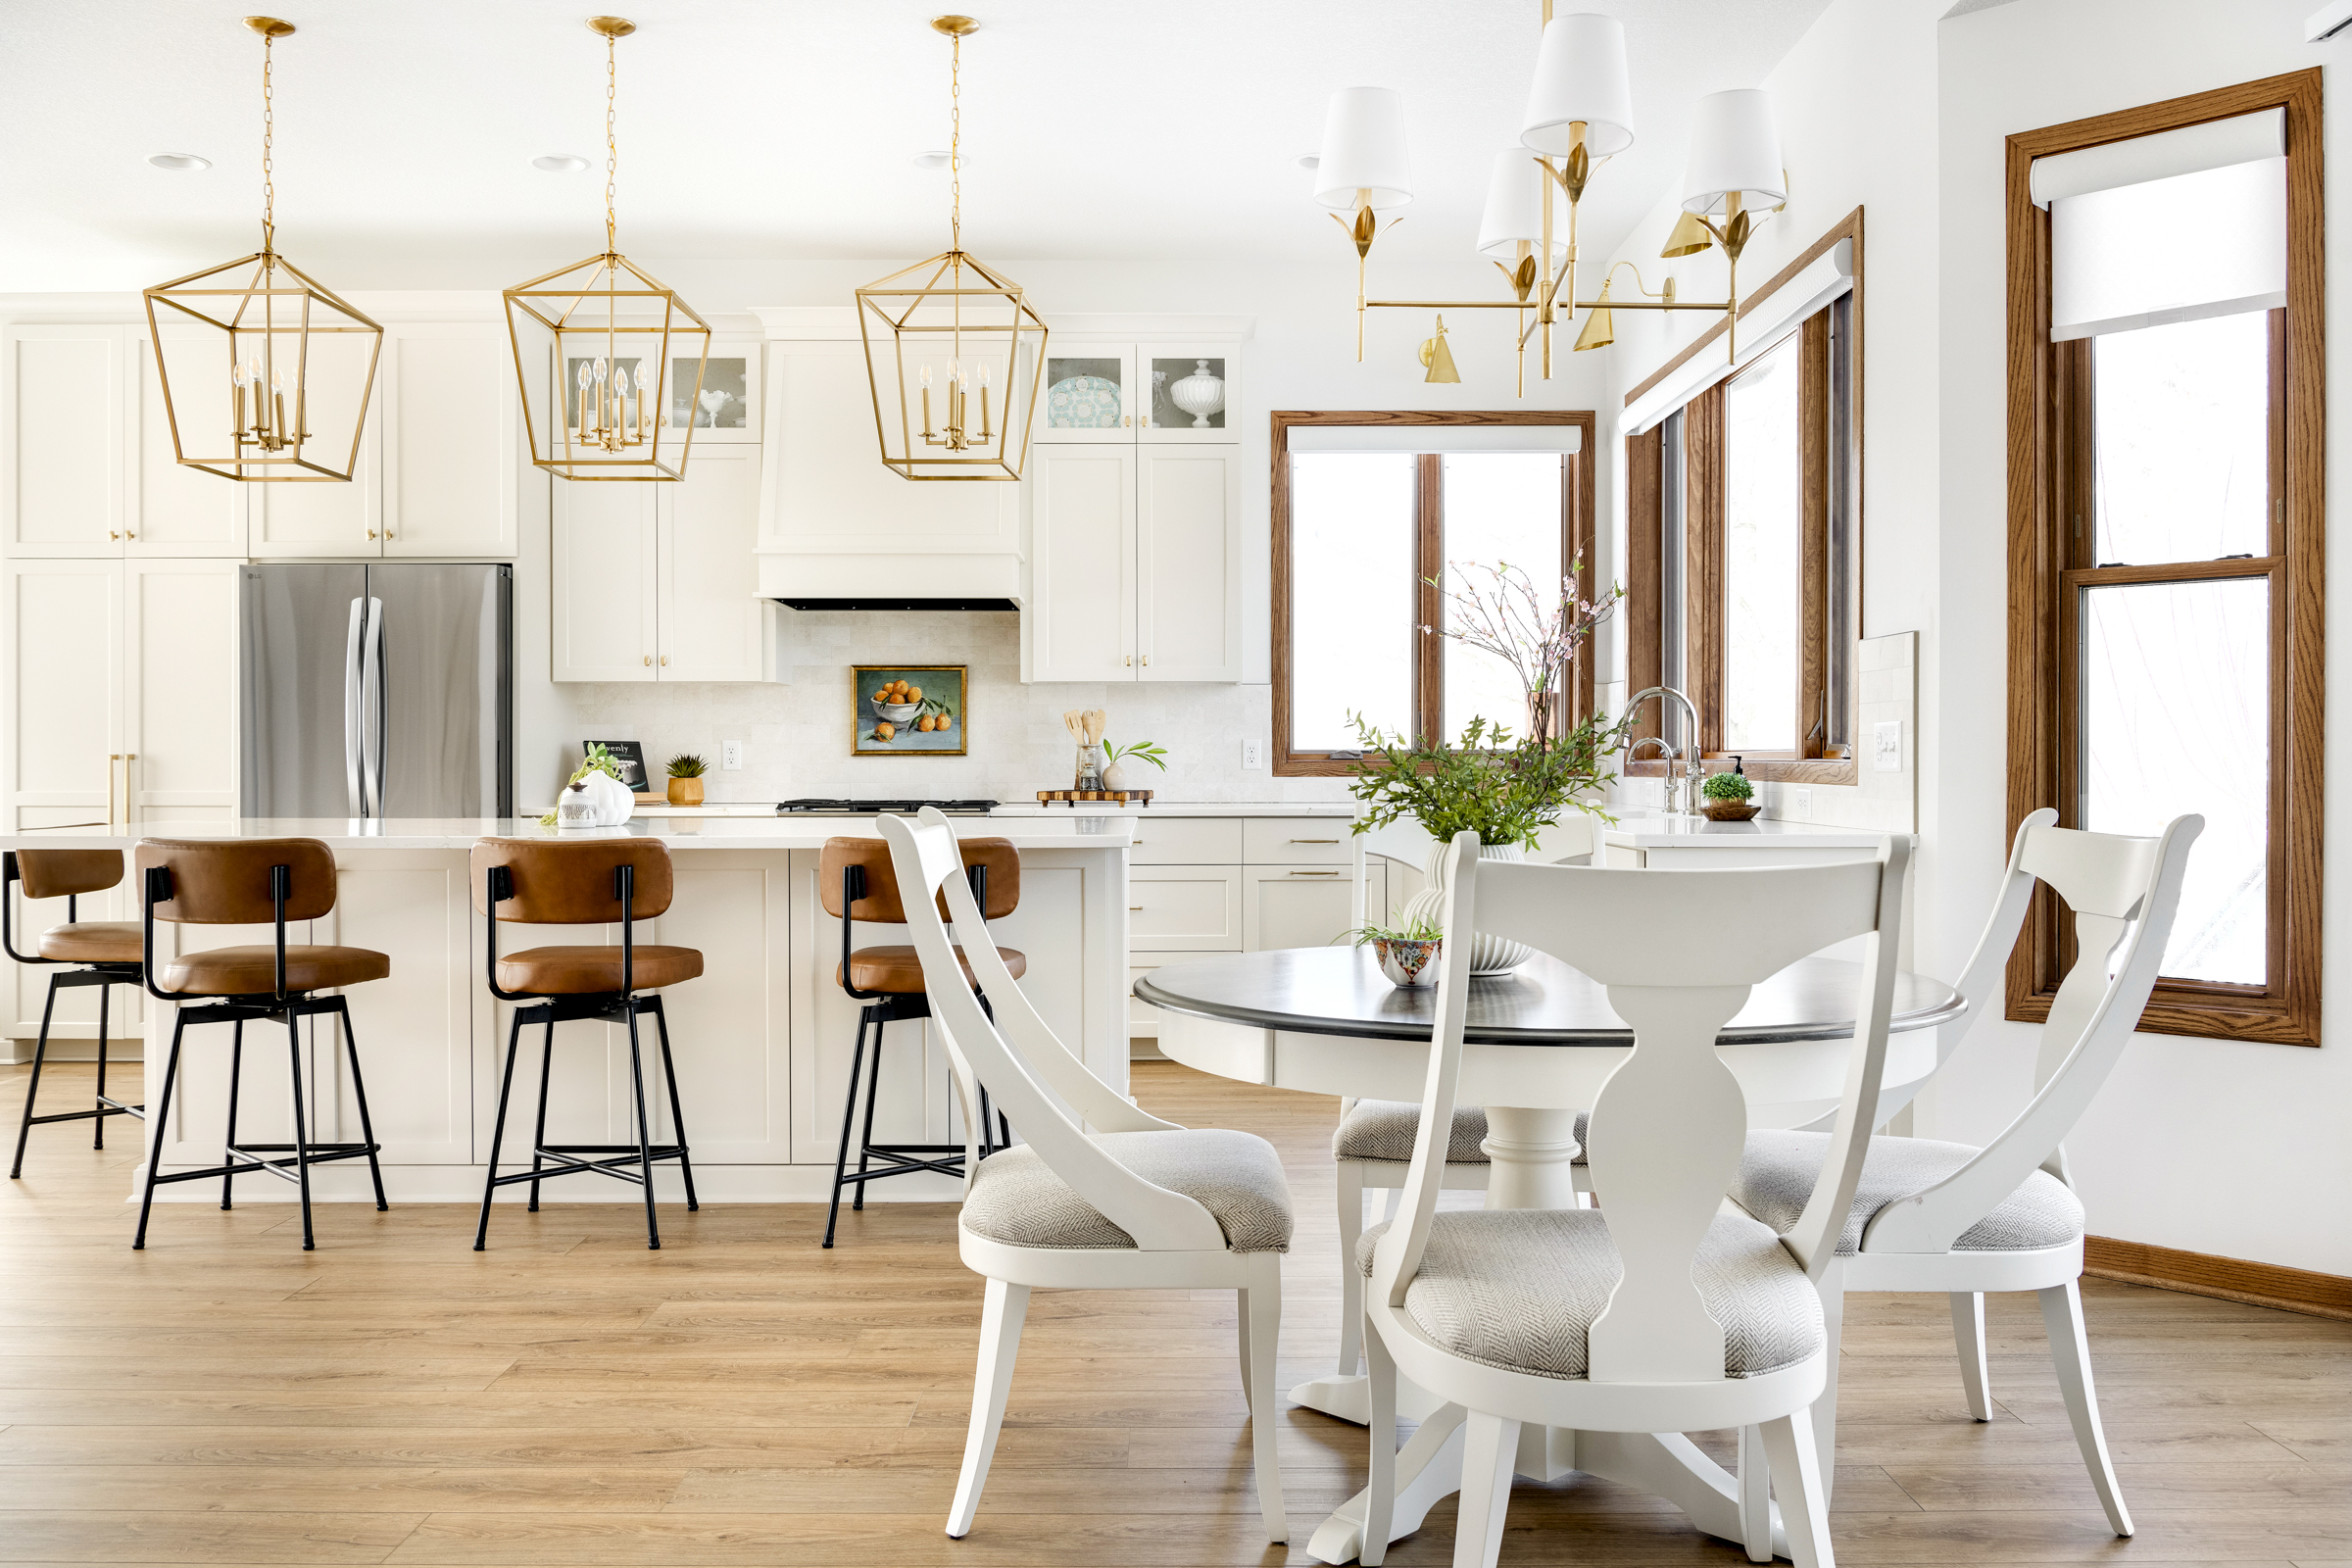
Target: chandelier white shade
x=1363, y=157
x=1514, y=211
x=1581, y=75
x=1734, y=151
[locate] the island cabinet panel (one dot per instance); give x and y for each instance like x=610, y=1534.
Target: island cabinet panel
x=415, y=1026
x=195, y=1131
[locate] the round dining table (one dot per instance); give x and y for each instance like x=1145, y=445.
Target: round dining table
x=1538, y=1044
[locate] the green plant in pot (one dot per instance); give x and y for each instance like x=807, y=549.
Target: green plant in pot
x=1121, y=771
x=1728, y=797
x=686, y=779
x=1408, y=954
x=1506, y=787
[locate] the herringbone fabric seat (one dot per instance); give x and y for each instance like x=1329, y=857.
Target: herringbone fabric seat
x=1383, y=1129
x=1778, y=1169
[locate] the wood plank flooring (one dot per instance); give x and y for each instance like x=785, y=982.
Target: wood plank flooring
x=742, y=1397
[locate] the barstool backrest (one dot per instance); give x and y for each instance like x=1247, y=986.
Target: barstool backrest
x=226, y=881
x=552, y=883
x=67, y=873
x=881, y=903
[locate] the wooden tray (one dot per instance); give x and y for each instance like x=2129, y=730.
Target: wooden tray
x=1071, y=798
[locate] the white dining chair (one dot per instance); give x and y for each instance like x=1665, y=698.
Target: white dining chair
x=1098, y=1196
x=1661, y=1312
x=1960, y=1220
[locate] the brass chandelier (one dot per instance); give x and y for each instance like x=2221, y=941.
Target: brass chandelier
x=601, y=348
x=1579, y=114
x=957, y=325
x=288, y=400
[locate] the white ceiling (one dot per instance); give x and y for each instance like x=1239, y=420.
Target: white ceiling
x=782, y=128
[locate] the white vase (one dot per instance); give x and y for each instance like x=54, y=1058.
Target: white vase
x=1199, y=394
x=1114, y=778
x=616, y=802
x=1488, y=955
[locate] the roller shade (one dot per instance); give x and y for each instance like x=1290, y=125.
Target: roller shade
x=1436, y=439
x=1762, y=325
x=2190, y=150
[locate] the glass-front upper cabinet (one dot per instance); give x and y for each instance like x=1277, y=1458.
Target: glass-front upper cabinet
x=1177, y=392
x=1189, y=387
x=1089, y=394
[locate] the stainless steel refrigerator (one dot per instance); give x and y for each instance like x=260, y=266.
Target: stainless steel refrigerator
x=379, y=690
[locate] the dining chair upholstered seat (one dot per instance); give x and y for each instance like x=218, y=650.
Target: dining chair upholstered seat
x=92, y=942
x=900, y=970
x=1777, y=1170
x=1016, y=1198
x=1519, y=1288
x=591, y=972
x=249, y=972
x=1383, y=1129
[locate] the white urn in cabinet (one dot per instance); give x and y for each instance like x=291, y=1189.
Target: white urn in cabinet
x=1200, y=394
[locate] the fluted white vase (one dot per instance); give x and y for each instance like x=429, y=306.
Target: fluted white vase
x=1200, y=394
x=1489, y=954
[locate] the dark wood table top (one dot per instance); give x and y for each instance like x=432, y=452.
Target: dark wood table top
x=1339, y=991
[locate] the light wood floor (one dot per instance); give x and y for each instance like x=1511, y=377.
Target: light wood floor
x=742, y=1397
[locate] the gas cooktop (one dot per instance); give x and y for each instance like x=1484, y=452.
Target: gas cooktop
x=828, y=808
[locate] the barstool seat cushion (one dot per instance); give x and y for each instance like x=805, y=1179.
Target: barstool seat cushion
x=899, y=971
x=249, y=972
x=1384, y=1129
x=1777, y=1170
x=1520, y=1288
x=588, y=971
x=1016, y=1198
x=92, y=942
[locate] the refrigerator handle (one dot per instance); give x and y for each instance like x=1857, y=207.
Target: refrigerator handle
x=377, y=699
x=351, y=709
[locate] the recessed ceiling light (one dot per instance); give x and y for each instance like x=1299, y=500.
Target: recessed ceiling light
x=1310, y=162
x=932, y=160
x=179, y=163
x=561, y=163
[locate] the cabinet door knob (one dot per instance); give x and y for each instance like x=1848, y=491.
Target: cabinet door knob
x=1146, y=659
x=649, y=659
x=130, y=533
x=112, y=534
x=1127, y=422
x=371, y=533
x=665, y=658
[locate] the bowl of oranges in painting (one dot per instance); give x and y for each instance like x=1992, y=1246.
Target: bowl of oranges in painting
x=918, y=710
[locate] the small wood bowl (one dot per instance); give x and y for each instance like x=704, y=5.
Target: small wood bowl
x=1728, y=810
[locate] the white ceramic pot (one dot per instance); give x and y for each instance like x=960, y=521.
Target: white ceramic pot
x=616, y=802
x=1199, y=394
x=1488, y=955
x=1114, y=778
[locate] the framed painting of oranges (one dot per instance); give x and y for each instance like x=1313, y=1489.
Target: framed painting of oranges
x=908, y=709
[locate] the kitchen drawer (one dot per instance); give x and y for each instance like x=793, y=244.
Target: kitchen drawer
x=1143, y=1019
x=1303, y=905
x=1186, y=841
x=1296, y=841
x=1184, y=908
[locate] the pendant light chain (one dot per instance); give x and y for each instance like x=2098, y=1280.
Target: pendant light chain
x=956, y=141
x=268, y=137
x=612, y=142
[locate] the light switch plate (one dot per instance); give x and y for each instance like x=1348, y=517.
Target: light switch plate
x=730, y=755
x=1888, y=746
x=1254, y=754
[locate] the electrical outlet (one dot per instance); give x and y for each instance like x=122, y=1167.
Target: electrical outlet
x=730, y=755
x=1797, y=804
x=1254, y=754
x=1887, y=752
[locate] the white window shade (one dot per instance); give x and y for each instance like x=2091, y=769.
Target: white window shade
x=1436, y=439
x=2190, y=150
x=2212, y=244
x=1763, y=323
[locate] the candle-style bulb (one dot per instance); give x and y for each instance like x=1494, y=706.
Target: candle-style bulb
x=237, y=375
x=620, y=381
x=600, y=372
x=584, y=377
x=926, y=377
x=983, y=375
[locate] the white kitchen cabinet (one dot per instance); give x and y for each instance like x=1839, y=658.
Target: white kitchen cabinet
x=1091, y=396
x=64, y=426
x=1135, y=564
x=328, y=518
x=1161, y=366
x=173, y=510
x=451, y=442
x=1185, y=909
x=181, y=699
x=655, y=581
x=1298, y=906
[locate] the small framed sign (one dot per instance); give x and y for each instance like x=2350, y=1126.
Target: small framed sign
x=630, y=757
x=909, y=710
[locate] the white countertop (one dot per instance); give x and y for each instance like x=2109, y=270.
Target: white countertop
x=1659, y=830
x=766, y=832
x=1340, y=808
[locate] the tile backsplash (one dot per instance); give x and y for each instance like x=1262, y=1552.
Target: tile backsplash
x=796, y=738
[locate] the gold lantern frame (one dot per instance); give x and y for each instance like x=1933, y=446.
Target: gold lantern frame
x=249, y=301
x=583, y=414
x=957, y=296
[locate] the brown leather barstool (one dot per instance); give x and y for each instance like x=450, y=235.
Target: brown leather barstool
x=246, y=882
x=106, y=953
x=544, y=882
x=855, y=882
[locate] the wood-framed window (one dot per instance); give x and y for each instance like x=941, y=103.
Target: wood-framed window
x=1743, y=548
x=2166, y=592
x=1359, y=535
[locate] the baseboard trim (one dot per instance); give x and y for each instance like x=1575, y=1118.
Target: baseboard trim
x=2232, y=1279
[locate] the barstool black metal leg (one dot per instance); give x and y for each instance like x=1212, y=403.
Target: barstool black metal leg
x=98, y=1105
x=498, y=1129
x=358, y=1095
x=40, y=1054
x=873, y=1093
x=154, y=1146
x=849, y=1119
x=302, y=1133
x=644, y=1135
x=236, y=1076
x=677, y=1113
x=547, y=1066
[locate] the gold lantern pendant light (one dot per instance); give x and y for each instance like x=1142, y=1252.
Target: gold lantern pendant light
x=288, y=398
x=609, y=359
x=953, y=325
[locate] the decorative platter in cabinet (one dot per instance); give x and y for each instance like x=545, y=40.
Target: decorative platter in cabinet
x=1083, y=403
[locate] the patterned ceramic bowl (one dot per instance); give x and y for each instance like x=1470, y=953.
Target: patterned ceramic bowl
x=1408, y=966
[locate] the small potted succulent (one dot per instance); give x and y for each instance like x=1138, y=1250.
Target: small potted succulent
x=686, y=779
x=1728, y=797
x=1407, y=954
x=1117, y=778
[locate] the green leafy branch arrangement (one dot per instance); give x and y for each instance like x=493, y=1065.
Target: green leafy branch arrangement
x=1138, y=751
x=1503, y=789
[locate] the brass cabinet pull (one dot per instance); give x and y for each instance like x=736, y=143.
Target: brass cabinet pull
x=112, y=534
x=130, y=533
x=371, y=533
x=1134, y=908
x=665, y=658
x=1146, y=659
x=1314, y=873
x=1315, y=840
x=112, y=757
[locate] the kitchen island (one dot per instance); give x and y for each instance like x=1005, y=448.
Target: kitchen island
x=762, y=1039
